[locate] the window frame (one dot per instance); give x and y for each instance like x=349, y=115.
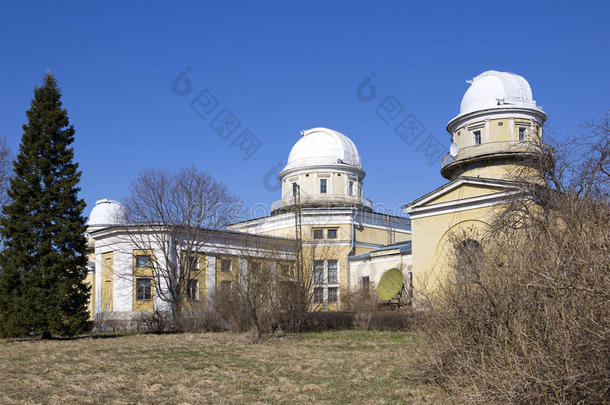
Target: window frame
x=318, y=295
x=328, y=231
x=318, y=280
x=318, y=231
x=332, y=298
x=222, y=262
x=477, y=136
x=521, y=130
x=139, y=287
x=139, y=257
x=335, y=270
x=323, y=185
x=189, y=290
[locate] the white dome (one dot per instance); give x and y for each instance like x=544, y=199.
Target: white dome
x=106, y=213
x=493, y=89
x=321, y=147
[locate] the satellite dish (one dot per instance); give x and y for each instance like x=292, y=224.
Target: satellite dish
x=390, y=284
x=453, y=149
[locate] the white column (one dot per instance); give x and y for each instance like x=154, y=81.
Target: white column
x=487, y=129
x=210, y=278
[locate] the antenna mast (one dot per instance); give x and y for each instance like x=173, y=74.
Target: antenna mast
x=298, y=230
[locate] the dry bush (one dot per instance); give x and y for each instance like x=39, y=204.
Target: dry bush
x=526, y=318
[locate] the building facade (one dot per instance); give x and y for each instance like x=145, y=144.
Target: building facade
x=346, y=244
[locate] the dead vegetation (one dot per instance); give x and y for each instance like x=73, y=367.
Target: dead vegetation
x=330, y=367
x=526, y=317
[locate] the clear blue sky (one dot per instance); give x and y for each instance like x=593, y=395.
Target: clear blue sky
x=284, y=66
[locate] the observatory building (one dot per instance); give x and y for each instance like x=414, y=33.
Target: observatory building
x=496, y=131
x=346, y=245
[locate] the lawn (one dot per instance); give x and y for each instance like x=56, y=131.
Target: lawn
x=328, y=367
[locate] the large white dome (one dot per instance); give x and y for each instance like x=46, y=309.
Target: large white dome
x=106, y=213
x=493, y=89
x=321, y=147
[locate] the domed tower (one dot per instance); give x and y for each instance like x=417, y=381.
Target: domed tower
x=495, y=132
x=325, y=165
x=105, y=213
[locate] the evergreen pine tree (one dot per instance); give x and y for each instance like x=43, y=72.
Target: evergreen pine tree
x=42, y=283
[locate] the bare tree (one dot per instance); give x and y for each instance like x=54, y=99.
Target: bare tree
x=173, y=216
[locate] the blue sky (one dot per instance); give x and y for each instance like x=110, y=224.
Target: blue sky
x=281, y=67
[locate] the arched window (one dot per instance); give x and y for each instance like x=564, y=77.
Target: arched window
x=468, y=257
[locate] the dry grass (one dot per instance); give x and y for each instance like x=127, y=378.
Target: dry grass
x=329, y=367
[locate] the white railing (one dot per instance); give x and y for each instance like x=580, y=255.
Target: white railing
x=324, y=199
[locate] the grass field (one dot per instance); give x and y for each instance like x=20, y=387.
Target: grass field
x=329, y=367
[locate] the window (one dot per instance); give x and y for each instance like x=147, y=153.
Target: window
x=331, y=234
x=323, y=186
x=332, y=271
x=318, y=233
x=366, y=284
x=477, y=137
x=318, y=294
x=318, y=271
x=143, y=289
x=332, y=294
x=522, y=134
x=225, y=287
x=467, y=259
x=500, y=123
x=350, y=187
x=192, y=290
x=193, y=263
x=255, y=267
x=295, y=188
x=143, y=261
x=225, y=265
x=286, y=270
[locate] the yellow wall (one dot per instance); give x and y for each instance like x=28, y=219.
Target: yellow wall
x=432, y=243
x=107, y=281
x=142, y=272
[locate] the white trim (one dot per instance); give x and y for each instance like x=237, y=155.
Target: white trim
x=462, y=205
x=451, y=186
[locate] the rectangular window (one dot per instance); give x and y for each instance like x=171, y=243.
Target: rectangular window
x=331, y=234
x=295, y=188
x=323, y=186
x=318, y=233
x=522, y=134
x=350, y=187
x=318, y=271
x=192, y=290
x=225, y=265
x=477, y=137
x=143, y=289
x=366, y=283
x=194, y=263
x=318, y=294
x=143, y=261
x=286, y=270
x=332, y=272
x=332, y=294
x=255, y=267
x=225, y=287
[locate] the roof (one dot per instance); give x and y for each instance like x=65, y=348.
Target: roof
x=320, y=147
x=492, y=89
x=402, y=248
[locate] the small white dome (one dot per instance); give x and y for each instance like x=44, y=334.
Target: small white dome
x=493, y=89
x=323, y=146
x=106, y=213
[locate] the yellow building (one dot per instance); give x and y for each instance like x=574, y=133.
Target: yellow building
x=493, y=136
